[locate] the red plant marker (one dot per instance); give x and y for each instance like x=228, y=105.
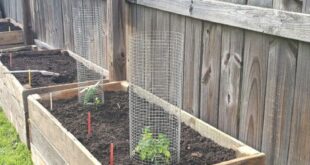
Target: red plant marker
x=11, y=60
x=89, y=124
x=111, y=154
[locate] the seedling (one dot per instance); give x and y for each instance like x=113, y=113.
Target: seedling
x=90, y=97
x=155, y=150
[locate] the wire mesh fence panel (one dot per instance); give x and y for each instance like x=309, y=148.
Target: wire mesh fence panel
x=90, y=43
x=156, y=65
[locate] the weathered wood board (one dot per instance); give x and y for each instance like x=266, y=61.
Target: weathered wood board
x=8, y=38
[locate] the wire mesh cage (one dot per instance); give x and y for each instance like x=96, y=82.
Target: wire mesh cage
x=90, y=43
x=156, y=65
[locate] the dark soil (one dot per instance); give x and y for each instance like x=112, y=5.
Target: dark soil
x=4, y=26
x=111, y=125
x=58, y=63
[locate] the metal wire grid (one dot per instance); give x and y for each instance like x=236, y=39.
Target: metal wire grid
x=156, y=64
x=90, y=42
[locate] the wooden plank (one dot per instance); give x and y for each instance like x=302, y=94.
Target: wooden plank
x=253, y=88
x=279, y=100
x=64, y=142
x=68, y=24
x=257, y=159
x=300, y=130
x=270, y=21
x=116, y=42
x=280, y=93
x=26, y=15
x=210, y=73
x=12, y=37
x=43, y=147
x=230, y=80
x=192, y=65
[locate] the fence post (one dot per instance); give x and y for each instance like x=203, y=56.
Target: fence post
x=116, y=48
x=27, y=22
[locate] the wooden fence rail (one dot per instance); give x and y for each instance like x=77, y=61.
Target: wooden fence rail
x=246, y=62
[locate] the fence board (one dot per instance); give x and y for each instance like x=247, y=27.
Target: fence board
x=230, y=80
x=270, y=21
x=68, y=24
x=192, y=65
x=253, y=88
x=300, y=132
x=210, y=73
x=279, y=100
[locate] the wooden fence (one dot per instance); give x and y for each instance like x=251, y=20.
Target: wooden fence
x=247, y=62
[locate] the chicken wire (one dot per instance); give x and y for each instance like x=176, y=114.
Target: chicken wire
x=156, y=65
x=90, y=42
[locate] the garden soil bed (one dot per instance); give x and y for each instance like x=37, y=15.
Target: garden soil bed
x=110, y=124
x=5, y=26
x=59, y=63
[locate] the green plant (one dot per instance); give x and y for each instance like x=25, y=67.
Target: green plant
x=90, y=95
x=153, y=149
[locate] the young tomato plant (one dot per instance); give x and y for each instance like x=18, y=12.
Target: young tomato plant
x=91, y=98
x=155, y=150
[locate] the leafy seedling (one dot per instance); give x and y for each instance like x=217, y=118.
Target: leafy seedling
x=155, y=150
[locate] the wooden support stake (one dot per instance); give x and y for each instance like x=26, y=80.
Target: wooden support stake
x=116, y=46
x=27, y=22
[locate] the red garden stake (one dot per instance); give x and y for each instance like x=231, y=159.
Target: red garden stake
x=89, y=124
x=111, y=154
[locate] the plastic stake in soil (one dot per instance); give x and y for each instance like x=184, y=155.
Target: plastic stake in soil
x=11, y=60
x=29, y=77
x=51, y=101
x=89, y=131
x=111, y=154
x=9, y=28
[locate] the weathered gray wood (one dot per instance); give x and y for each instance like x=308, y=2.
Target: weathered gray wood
x=230, y=82
x=279, y=100
x=64, y=142
x=192, y=65
x=210, y=73
x=253, y=88
x=300, y=129
x=116, y=43
x=68, y=24
x=275, y=22
x=44, y=147
x=26, y=21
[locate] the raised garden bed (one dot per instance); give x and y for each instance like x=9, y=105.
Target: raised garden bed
x=11, y=33
x=52, y=132
x=14, y=87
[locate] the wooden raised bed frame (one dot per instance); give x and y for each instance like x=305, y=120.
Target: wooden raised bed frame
x=11, y=38
x=13, y=95
x=52, y=143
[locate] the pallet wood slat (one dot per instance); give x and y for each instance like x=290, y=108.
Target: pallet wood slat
x=270, y=21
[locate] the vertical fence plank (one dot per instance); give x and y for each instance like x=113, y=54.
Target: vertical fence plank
x=210, y=73
x=253, y=88
x=254, y=84
x=280, y=93
x=192, y=65
x=230, y=82
x=68, y=24
x=300, y=131
x=116, y=43
x=279, y=100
